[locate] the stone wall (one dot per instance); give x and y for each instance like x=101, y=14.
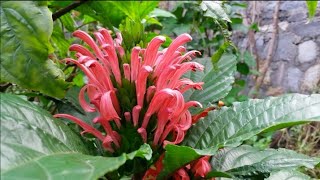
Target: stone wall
x=295, y=66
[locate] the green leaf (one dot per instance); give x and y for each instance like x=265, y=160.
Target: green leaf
x=217, y=82
x=232, y=125
x=68, y=22
x=214, y=10
x=61, y=165
x=97, y=10
x=312, y=8
x=249, y=59
x=179, y=156
x=288, y=174
x=36, y=146
x=72, y=165
x=243, y=68
x=247, y=161
x=28, y=132
x=161, y=13
x=218, y=54
x=59, y=41
x=25, y=32
x=144, y=151
x=135, y=10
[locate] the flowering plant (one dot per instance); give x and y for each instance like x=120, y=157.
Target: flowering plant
x=154, y=86
x=147, y=112
x=143, y=96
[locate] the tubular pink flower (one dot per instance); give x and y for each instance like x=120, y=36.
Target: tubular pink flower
x=135, y=115
x=83, y=102
x=150, y=92
x=126, y=70
x=179, y=41
x=165, y=76
x=113, y=59
x=88, y=39
x=202, y=167
x=97, y=69
x=135, y=63
x=156, y=103
x=127, y=116
x=84, y=51
x=86, y=127
x=83, y=59
x=141, y=83
x=187, y=56
x=178, y=136
x=107, y=143
x=183, y=69
x=143, y=133
x=118, y=42
x=152, y=49
x=181, y=174
x=106, y=126
x=163, y=118
x=87, y=72
x=100, y=38
x=107, y=110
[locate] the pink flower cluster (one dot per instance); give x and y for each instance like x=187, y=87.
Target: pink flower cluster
x=157, y=79
x=163, y=97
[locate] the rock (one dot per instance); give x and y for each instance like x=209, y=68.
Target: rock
x=286, y=49
x=302, y=29
x=311, y=78
x=283, y=25
x=307, y=52
x=293, y=79
x=291, y=5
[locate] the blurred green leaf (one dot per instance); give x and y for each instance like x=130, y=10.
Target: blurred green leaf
x=249, y=59
x=25, y=32
x=161, y=13
x=312, y=8
x=135, y=10
x=68, y=22
x=243, y=68
x=249, y=162
x=288, y=174
x=214, y=10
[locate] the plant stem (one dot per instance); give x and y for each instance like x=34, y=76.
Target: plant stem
x=263, y=69
x=65, y=10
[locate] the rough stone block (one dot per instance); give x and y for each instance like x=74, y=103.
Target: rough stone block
x=307, y=52
x=311, y=78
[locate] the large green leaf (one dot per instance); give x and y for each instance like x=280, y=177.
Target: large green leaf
x=231, y=125
x=103, y=11
x=29, y=132
x=247, y=161
x=179, y=156
x=135, y=10
x=25, y=31
x=36, y=146
x=72, y=166
x=288, y=174
x=217, y=80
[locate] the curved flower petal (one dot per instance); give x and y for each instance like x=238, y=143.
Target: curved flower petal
x=85, y=126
